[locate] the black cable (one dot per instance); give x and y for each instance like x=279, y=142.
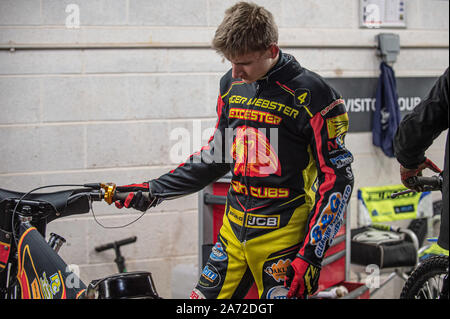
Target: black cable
x=26, y=194
x=122, y=226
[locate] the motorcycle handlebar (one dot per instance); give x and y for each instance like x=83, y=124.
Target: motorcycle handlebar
x=433, y=183
x=65, y=202
x=111, y=194
x=115, y=244
x=123, y=196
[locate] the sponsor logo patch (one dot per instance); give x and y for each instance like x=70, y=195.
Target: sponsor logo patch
x=217, y=253
x=342, y=160
x=278, y=271
x=253, y=154
x=336, y=144
x=277, y=292
x=337, y=125
x=331, y=106
x=196, y=294
x=210, y=277
x=330, y=221
x=253, y=220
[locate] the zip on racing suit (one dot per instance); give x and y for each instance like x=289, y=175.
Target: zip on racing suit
x=283, y=139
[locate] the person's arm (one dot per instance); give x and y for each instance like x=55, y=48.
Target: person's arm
x=418, y=130
x=335, y=183
x=199, y=170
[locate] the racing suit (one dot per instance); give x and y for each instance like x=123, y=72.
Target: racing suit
x=417, y=132
x=282, y=137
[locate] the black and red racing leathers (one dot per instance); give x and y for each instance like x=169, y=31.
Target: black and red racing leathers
x=282, y=137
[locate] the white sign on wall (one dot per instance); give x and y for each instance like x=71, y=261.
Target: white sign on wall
x=382, y=13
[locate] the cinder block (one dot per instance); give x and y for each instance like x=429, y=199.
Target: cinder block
x=184, y=231
x=83, y=98
x=108, y=35
x=177, y=34
x=12, y=34
x=164, y=13
x=126, y=144
x=423, y=59
x=336, y=60
x=127, y=97
x=20, y=12
x=171, y=96
x=195, y=61
x=40, y=62
x=126, y=61
x=41, y=148
x=375, y=170
x=97, y=12
x=427, y=15
x=328, y=13
x=155, y=233
x=20, y=182
x=19, y=100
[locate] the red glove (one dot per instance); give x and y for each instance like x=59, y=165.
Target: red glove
x=135, y=198
x=302, y=278
x=407, y=173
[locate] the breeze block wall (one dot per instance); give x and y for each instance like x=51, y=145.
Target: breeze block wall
x=99, y=91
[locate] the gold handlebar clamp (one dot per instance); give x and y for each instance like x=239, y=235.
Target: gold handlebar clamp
x=110, y=189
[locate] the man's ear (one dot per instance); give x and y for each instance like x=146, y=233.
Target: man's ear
x=274, y=50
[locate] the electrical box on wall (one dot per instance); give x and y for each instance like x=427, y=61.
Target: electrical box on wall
x=388, y=46
x=382, y=13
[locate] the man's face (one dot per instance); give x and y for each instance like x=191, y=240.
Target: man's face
x=254, y=65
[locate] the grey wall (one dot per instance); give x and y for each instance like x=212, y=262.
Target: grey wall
x=99, y=102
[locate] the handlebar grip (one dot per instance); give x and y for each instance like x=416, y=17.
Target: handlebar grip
x=123, y=196
x=433, y=181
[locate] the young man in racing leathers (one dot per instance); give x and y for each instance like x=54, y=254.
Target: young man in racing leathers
x=280, y=130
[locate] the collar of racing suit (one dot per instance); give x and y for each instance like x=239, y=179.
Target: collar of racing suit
x=284, y=70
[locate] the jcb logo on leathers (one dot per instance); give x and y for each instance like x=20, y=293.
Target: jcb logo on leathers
x=253, y=220
x=256, y=221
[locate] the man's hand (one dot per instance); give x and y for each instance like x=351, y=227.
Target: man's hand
x=135, y=198
x=407, y=173
x=302, y=278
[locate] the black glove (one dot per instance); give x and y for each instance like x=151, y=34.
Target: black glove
x=136, y=198
x=407, y=173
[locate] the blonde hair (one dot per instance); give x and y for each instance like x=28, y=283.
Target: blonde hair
x=245, y=28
